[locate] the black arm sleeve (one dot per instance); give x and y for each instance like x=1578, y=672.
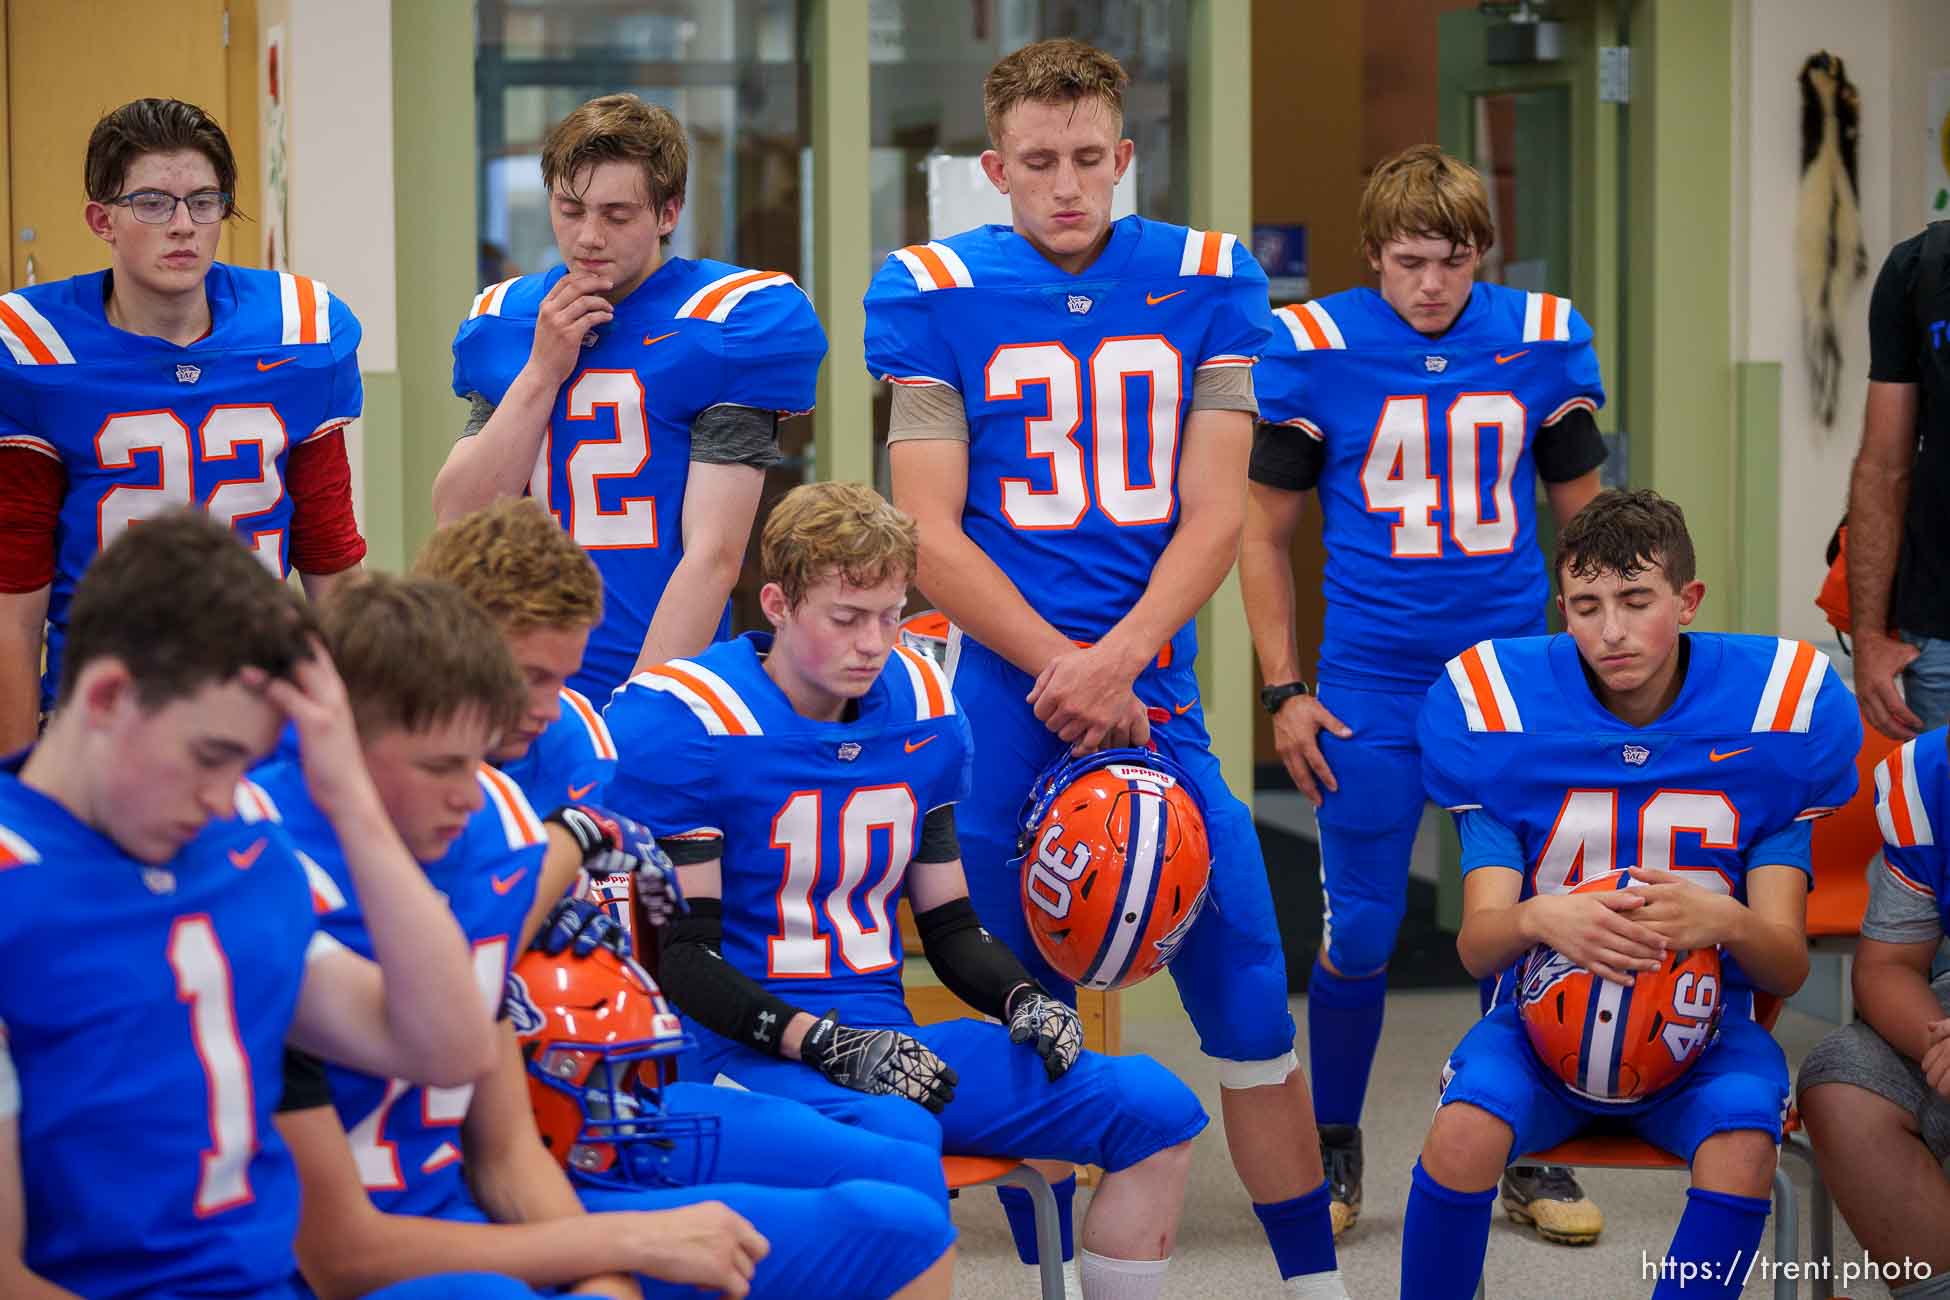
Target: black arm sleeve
x=1286, y=457
x=305, y=1087
x=689, y=850
x=710, y=990
x=939, y=842
x=736, y=435
x=976, y=969
x=1893, y=351
x=1569, y=449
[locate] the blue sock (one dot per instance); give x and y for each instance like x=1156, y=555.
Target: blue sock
x=1343, y=1030
x=1714, y=1247
x=1444, y=1236
x=1022, y=1218
x=1301, y=1233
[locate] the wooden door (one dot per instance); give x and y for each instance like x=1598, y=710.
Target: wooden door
x=70, y=61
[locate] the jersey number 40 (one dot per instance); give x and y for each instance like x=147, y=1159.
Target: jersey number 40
x=1396, y=477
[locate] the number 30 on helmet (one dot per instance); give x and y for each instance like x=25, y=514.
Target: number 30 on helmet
x=1115, y=864
x=594, y=1033
x=1612, y=1042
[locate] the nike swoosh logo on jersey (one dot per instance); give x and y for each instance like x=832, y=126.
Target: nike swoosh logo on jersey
x=262, y=364
x=1153, y=299
x=578, y=791
x=1717, y=757
x=647, y=340
x=245, y=859
x=913, y=745
x=502, y=884
x=1182, y=709
x=1503, y=360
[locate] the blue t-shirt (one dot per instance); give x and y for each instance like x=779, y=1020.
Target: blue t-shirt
x=140, y=424
x=616, y=458
x=1428, y=492
x=1077, y=389
x=818, y=819
x=1546, y=781
x=149, y=1041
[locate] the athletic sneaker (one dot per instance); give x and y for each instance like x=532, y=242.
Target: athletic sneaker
x=1340, y=1156
x=1548, y=1198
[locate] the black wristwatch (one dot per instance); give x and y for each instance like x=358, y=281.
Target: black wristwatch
x=1272, y=697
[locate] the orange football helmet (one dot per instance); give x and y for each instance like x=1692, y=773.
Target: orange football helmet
x=928, y=633
x=1610, y=1042
x=1115, y=863
x=595, y=1032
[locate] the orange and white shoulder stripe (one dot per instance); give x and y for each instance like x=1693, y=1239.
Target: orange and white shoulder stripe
x=30, y=336
x=1900, y=809
x=935, y=266
x=326, y=896
x=576, y=703
x=518, y=821
x=715, y=300
x=1546, y=318
x=488, y=301
x=1312, y=328
x=1207, y=252
x=307, y=308
x=711, y=698
x=1487, y=702
x=254, y=803
x=1578, y=403
x=932, y=696
x=1795, y=680
x=16, y=851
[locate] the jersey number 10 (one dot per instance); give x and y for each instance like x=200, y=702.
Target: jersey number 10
x=799, y=948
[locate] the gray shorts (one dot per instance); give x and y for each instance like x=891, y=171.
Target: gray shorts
x=1858, y=1055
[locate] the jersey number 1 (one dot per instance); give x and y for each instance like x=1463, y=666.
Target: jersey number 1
x=1395, y=476
x=799, y=948
x=203, y=981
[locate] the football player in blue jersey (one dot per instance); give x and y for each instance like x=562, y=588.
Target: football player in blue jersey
x=1424, y=413
x=1875, y=1094
x=638, y=395
x=140, y=1158
x=543, y=593
x=1072, y=414
x=433, y=1178
x=822, y=765
x=1696, y=761
x=168, y=379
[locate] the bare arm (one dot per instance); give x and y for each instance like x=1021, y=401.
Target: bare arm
x=931, y=483
x=1878, y=497
x=1571, y=496
x=1892, y=992
x=16, y=1281
x=1768, y=934
x=720, y=502
x=23, y=633
x=1594, y=930
x=513, y=1176
x=319, y=587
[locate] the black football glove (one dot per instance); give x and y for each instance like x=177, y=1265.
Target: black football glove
x=581, y=925
x=1050, y=1026
x=613, y=844
x=881, y=1062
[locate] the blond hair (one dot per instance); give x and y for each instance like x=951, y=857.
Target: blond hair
x=515, y=562
x=415, y=653
x=1053, y=72
x=1423, y=193
x=620, y=128
x=818, y=530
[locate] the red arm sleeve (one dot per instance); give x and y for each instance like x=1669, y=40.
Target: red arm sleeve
x=324, y=534
x=32, y=484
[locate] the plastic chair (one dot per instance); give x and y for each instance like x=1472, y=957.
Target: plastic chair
x=1844, y=846
x=983, y=1171
x=1622, y=1151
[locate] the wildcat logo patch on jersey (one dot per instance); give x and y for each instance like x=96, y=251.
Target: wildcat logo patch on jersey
x=1435, y=365
x=158, y=880
x=849, y=750
x=188, y=374
x=518, y=1005
x=1636, y=755
x=1080, y=305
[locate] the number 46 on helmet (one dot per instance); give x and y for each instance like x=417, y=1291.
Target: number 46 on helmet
x=1115, y=865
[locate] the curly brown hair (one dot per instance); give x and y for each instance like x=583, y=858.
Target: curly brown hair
x=515, y=562
x=1626, y=533
x=819, y=529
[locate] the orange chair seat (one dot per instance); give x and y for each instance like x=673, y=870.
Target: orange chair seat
x=1622, y=1151
x=973, y=1171
x=1843, y=844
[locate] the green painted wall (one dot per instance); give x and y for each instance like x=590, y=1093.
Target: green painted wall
x=379, y=474
x=842, y=245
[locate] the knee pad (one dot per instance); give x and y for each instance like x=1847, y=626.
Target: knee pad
x=1239, y=1075
x=1359, y=933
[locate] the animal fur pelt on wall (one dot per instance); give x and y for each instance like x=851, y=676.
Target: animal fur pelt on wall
x=1828, y=253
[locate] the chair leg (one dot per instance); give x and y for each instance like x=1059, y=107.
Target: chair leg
x=1821, y=1217
x=1787, y=1231
x=1049, y=1230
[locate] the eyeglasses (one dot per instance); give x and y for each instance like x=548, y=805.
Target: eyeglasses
x=155, y=207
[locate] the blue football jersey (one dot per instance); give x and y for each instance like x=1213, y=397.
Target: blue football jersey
x=616, y=457
x=571, y=762
x=140, y=424
x=819, y=819
x=406, y=1138
x=149, y=1045
x=1077, y=389
x=1428, y=492
x=1912, y=800
x=1762, y=735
